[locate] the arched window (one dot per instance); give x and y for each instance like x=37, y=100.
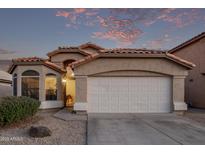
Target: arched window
x=30, y=84
x=51, y=86
x=15, y=85
x=30, y=73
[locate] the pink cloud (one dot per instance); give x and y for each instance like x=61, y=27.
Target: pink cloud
x=178, y=17
x=122, y=37
x=80, y=10
x=74, y=16
x=121, y=17
x=123, y=31
x=62, y=13
x=91, y=13
x=114, y=22
x=123, y=25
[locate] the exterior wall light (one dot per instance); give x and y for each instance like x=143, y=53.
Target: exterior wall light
x=64, y=80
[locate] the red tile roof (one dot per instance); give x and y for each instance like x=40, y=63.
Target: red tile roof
x=192, y=40
x=133, y=51
x=35, y=60
x=79, y=49
x=66, y=50
x=116, y=52
x=84, y=60
x=90, y=44
x=29, y=59
x=53, y=66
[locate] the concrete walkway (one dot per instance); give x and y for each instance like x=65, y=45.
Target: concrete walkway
x=64, y=114
x=146, y=129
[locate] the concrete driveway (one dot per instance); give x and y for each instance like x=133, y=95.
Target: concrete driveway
x=146, y=129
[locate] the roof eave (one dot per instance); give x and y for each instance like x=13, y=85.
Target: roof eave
x=182, y=62
x=91, y=45
x=173, y=58
x=55, y=52
x=11, y=69
x=49, y=54
x=132, y=55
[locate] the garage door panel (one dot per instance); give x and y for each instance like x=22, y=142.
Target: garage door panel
x=129, y=94
x=123, y=99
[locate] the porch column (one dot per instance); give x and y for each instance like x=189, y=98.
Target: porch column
x=178, y=93
x=59, y=88
x=81, y=93
x=18, y=83
x=42, y=93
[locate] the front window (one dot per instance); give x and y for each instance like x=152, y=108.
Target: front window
x=51, y=87
x=30, y=84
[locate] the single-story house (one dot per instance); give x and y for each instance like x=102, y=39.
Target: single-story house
x=194, y=51
x=5, y=84
x=93, y=79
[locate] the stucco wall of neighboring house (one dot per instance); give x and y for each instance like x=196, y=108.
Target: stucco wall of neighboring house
x=42, y=70
x=134, y=67
x=5, y=84
x=5, y=89
x=195, y=82
x=61, y=57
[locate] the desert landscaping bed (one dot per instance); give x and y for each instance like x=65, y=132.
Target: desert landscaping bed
x=63, y=132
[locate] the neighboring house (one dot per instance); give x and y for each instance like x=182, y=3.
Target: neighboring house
x=194, y=51
x=95, y=79
x=5, y=84
x=4, y=64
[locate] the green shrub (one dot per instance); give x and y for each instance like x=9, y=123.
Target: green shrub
x=13, y=109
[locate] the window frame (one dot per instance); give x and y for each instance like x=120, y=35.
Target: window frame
x=31, y=76
x=51, y=97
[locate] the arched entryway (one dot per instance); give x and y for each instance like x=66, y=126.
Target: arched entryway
x=69, y=92
x=67, y=62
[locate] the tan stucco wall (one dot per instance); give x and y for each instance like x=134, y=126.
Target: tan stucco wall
x=128, y=73
x=81, y=89
x=42, y=70
x=178, y=89
x=157, y=65
x=134, y=67
x=194, y=91
x=61, y=57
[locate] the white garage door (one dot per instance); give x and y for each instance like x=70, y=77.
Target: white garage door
x=129, y=94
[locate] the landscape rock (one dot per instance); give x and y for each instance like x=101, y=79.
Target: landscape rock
x=39, y=131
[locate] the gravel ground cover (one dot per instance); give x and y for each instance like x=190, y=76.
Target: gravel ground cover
x=63, y=132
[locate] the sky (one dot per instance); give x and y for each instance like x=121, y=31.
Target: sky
x=35, y=32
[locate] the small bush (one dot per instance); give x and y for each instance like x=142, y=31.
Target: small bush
x=13, y=109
